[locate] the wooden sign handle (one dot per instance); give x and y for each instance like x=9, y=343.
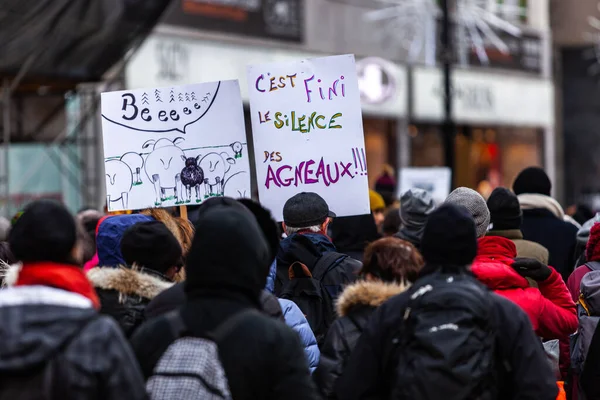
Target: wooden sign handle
x=183, y=212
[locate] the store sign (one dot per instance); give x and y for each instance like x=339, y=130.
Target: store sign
x=495, y=99
x=375, y=80
x=166, y=60
x=277, y=19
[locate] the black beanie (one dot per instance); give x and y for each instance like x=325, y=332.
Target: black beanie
x=505, y=210
x=46, y=231
x=449, y=237
x=266, y=223
x=532, y=180
x=151, y=245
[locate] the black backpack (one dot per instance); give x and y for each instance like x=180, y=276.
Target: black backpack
x=446, y=346
x=306, y=289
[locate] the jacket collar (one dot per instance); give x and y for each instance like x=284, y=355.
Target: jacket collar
x=368, y=294
x=512, y=234
x=496, y=246
x=127, y=281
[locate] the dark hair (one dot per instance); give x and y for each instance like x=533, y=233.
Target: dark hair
x=267, y=224
x=391, y=222
x=392, y=260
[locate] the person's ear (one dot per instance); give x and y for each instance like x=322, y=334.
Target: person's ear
x=283, y=226
x=326, y=224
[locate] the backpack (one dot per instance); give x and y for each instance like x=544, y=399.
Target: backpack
x=190, y=368
x=306, y=289
x=588, y=312
x=446, y=346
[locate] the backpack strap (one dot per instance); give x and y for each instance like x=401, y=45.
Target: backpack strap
x=324, y=263
x=176, y=323
x=593, y=265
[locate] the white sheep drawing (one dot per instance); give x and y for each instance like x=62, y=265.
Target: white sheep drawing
x=215, y=167
x=136, y=163
x=163, y=167
x=119, y=181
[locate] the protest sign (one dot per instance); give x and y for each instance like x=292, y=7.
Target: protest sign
x=308, y=133
x=435, y=180
x=174, y=146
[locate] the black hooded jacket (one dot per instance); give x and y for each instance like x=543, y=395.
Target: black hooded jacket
x=226, y=272
x=526, y=376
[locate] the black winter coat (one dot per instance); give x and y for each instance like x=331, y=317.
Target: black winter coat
x=124, y=293
x=369, y=372
x=263, y=359
x=559, y=237
x=91, y=358
x=355, y=306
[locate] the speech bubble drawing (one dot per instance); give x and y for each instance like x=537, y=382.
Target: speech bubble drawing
x=159, y=110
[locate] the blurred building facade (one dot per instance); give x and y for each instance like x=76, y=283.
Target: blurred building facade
x=576, y=32
x=504, y=110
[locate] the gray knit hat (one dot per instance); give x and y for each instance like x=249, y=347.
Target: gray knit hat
x=473, y=202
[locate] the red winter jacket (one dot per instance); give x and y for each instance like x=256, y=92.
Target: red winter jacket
x=550, y=309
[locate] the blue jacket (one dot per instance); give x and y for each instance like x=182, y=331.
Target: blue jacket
x=296, y=320
x=108, y=240
x=270, y=287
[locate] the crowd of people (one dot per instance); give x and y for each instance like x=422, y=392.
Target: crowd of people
x=468, y=299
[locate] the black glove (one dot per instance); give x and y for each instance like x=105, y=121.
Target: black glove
x=531, y=268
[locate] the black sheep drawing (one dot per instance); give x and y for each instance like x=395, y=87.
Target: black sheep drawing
x=192, y=176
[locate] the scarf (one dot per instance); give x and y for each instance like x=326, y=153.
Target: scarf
x=529, y=201
x=60, y=276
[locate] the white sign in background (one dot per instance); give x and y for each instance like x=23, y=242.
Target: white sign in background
x=435, y=180
x=174, y=146
x=308, y=133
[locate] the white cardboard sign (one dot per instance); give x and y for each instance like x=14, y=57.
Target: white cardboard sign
x=174, y=146
x=308, y=133
x=435, y=180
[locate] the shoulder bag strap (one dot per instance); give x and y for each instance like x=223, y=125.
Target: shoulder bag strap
x=324, y=263
x=593, y=265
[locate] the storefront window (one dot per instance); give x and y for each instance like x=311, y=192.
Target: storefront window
x=486, y=157
x=380, y=145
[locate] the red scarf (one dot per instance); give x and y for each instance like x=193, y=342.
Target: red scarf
x=60, y=276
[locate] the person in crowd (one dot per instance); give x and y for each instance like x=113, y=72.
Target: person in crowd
x=379, y=366
x=386, y=185
x=581, y=213
x=587, y=382
x=415, y=207
x=221, y=283
x=153, y=257
x=306, y=217
x=592, y=256
x=282, y=309
x=377, y=206
x=53, y=342
x=506, y=219
x=583, y=235
x=391, y=222
x=390, y=266
x=550, y=309
x=109, y=234
x=181, y=228
x=543, y=219
x=89, y=219
x=351, y=235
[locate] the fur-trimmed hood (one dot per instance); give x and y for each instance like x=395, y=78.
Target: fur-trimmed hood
x=367, y=293
x=128, y=281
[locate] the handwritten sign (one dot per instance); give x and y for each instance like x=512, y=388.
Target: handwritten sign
x=174, y=146
x=308, y=133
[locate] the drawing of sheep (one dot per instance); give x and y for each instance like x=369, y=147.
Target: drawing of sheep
x=215, y=166
x=163, y=167
x=192, y=176
x=237, y=149
x=119, y=181
x=136, y=163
